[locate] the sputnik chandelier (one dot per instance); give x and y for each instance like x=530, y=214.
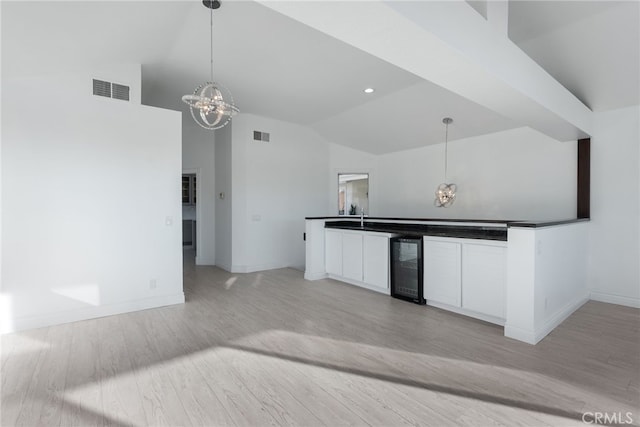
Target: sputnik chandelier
x=445, y=193
x=211, y=103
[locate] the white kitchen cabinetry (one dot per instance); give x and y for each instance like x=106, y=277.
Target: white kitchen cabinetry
x=352, y=255
x=484, y=278
x=333, y=252
x=442, y=273
x=358, y=257
x=376, y=260
x=467, y=276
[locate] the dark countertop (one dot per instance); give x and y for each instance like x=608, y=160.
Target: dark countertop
x=380, y=218
x=508, y=223
x=419, y=230
x=541, y=224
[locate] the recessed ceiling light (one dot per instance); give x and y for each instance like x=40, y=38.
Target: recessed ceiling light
x=369, y=90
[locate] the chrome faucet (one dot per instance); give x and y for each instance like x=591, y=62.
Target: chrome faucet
x=362, y=218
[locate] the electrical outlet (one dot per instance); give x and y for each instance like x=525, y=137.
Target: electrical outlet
x=153, y=283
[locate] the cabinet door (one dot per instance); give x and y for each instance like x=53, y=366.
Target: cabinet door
x=352, y=255
x=484, y=279
x=442, y=272
x=376, y=261
x=333, y=252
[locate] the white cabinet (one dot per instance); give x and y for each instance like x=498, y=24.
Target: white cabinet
x=442, y=273
x=352, y=255
x=484, y=278
x=376, y=260
x=333, y=252
x=358, y=257
x=467, y=276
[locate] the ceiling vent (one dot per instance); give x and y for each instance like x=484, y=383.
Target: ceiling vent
x=260, y=136
x=110, y=90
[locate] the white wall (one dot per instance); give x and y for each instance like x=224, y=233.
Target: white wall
x=515, y=174
x=275, y=185
x=614, y=249
x=224, y=218
x=198, y=154
x=91, y=197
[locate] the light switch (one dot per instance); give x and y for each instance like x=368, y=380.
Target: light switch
x=255, y=218
x=168, y=221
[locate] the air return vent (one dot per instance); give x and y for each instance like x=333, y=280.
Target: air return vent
x=110, y=90
x=101, y=88
x=260, y=136
x=120, y=92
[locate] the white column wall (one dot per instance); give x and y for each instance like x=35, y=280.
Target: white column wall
x=224, y=218
x=614, y=247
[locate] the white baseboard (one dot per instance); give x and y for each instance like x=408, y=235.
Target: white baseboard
x=40, y=321
x=315, y=276
x=559, y=317
x=615, y=299
x=520, y=334
x=205, y=261
x=535, y=336
x=254, y=268
x=360, y=284
x=225, y=267
x=469, y=313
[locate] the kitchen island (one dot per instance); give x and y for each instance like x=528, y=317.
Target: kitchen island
x=526, y=276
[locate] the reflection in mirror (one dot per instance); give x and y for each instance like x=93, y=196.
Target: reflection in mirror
x=353, y=193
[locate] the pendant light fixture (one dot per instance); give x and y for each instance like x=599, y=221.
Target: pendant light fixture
x=211, y=103
x=445, y=193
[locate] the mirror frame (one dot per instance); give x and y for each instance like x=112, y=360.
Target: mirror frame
x=368, y=178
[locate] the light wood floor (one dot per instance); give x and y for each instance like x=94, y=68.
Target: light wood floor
x=273, y=349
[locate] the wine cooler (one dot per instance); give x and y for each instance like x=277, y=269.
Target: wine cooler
x=406, y=269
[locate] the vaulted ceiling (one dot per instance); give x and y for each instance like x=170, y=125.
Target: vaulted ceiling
x=277, y=65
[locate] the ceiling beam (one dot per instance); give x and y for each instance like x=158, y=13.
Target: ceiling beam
x=453, y=46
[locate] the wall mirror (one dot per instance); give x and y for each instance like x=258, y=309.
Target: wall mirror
x=353, y=193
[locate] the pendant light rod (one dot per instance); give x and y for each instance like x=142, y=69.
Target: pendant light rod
x=447, y=121
x=211, y=4
x=211, y=37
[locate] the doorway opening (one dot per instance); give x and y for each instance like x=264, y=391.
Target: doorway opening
x=190, y=212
